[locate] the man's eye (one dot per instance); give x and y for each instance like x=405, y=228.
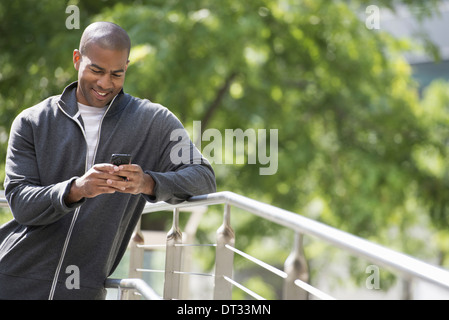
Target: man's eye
x=116, y=75
x=95, y=71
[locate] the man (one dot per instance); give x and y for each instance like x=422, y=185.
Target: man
x=72, y=209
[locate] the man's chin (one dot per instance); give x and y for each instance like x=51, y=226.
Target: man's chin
x=99, y=104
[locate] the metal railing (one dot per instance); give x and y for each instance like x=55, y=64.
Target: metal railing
x=295, y=274
x=137, y=285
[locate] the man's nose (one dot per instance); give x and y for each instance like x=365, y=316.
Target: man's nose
x=105, y=82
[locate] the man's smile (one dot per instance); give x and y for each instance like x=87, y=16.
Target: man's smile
x=100, y=94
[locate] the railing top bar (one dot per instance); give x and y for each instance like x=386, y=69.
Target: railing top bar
x=195, y=201
x=358, y=246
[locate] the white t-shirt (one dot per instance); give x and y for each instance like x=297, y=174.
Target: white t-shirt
x=91, y=118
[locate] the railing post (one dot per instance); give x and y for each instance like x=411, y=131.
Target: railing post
x=135, y=260
x=296, y=268
x=224, y=258
x=173, y=259
x=187, y=252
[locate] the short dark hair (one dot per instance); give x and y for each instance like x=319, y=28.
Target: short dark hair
x=107, y=35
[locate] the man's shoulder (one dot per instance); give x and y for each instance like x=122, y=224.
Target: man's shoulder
x=147, y=105
x=43, y=107
x=148, y=111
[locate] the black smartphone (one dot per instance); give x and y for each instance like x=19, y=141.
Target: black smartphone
x=120, y=158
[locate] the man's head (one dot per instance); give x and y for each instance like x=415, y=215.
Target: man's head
x=101, y=62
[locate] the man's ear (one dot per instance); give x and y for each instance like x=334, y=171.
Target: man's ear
x=76, y=59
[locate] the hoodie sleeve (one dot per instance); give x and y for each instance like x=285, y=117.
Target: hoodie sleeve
x=183, y=171
x=30, y=202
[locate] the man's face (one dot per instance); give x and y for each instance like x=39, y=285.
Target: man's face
x=101, y=74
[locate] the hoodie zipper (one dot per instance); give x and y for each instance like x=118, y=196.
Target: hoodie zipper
x=77, y=210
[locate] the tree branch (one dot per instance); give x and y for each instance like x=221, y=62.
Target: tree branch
x=213, y=106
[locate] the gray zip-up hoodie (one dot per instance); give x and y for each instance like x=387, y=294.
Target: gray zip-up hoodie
x=47, y=240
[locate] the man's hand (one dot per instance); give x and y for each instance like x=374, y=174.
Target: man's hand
x=107, y=178
x=136, y=180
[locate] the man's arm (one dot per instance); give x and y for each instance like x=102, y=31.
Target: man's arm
x=184, y=172
x=30, y=202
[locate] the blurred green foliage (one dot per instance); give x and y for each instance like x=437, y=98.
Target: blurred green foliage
x=358, y=148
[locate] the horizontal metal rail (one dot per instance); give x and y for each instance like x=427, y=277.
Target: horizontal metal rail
x=376, y=253
x=317, y=293
x=137, y=284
